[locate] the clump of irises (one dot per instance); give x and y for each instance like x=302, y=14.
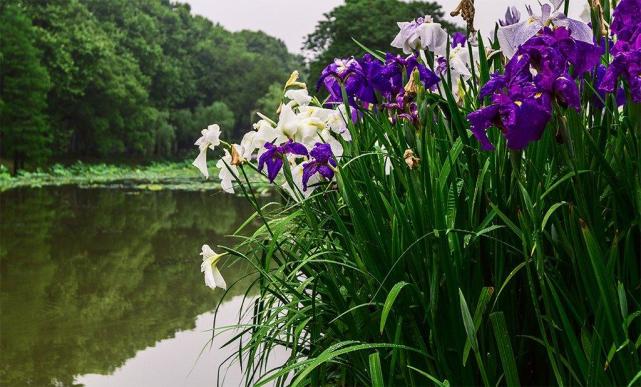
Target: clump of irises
x=543, y=72
x=306, y=137
x=546, y=70
x=549, y=59
x=549, y=56
x=391, y=83
x=370, y=82
x=626, y=65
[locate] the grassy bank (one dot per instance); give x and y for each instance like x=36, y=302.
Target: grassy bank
x=155, y=176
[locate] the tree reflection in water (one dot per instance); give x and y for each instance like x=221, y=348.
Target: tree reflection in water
x=90, y=277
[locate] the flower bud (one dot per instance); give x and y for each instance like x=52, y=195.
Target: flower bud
x=236, y=158
x=293, y=81
x=413, y=85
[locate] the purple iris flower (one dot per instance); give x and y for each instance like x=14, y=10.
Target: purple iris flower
x=521, y=112
x=521, y=103
x=274, y=154
x=427, y=76
x=512, y=16
x=398, y=103
x=388, y=78
x=365, y=90
x=404, y=108
x=554, y=49
x=599, y=74
x=628, y=66
x=366, y=76
x=553, y=53
x=626, y=25
x=353, y=74
x=521, y=100
x=335, y=73
x=626, y=21
x=458, y=39
x=411, y=115
x=517, y=73
x=441, y=65
x=322, y=162
x=566, y=92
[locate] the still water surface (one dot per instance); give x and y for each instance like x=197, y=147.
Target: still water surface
x=102, y=287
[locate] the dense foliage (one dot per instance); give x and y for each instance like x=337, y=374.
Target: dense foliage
x=371, y=22
x=24, y=83
x=125, y=78
x=474, y=218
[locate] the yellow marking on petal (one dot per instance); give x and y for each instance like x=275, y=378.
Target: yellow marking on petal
x=318, y=124
x=538, y=95
x=518, y=103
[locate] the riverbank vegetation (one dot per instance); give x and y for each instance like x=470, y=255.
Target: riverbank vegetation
x=91, y=175
x=466, y=213
x=155, y=177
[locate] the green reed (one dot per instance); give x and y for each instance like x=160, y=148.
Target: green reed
x=474, y=268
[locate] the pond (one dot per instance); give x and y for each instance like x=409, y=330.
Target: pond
x=102, y=287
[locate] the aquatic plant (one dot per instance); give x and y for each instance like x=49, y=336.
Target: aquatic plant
x=165, y=175
x=418, y=245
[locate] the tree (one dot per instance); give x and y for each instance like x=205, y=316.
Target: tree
x=268, y=104
x=218, y=113
x=23, y=90
x=188, y=124
x=99, y=103
x=371, y=22
x=129, y=78
x=262, y=60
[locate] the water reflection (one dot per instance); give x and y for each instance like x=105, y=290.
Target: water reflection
x=88, y=278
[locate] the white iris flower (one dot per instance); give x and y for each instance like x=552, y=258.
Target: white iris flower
x=300, y=96
x=226, y=172
x=512, y=36
x=213, y=278
x=421, y=33
x=461, y=64
x=210, y=138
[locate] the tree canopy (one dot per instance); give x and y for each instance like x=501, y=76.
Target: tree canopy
x=23, y=87
x=140, y=78
x=372, y=22
x=125, y=78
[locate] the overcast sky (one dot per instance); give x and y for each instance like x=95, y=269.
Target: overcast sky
x=292, y=20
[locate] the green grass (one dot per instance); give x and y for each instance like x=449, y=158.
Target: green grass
x=155, y=176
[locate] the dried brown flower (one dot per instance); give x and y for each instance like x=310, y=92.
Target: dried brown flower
x=236, y=158
x=466, y=10
x=410, y=159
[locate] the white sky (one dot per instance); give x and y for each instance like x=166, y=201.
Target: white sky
x=292, y=20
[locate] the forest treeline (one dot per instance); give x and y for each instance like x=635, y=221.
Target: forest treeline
x=125, y=78
x=120, y=79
